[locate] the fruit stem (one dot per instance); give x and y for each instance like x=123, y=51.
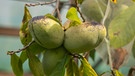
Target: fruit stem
x=25, y=47
x=86, y=55
x=75, y=55
x=77, y=7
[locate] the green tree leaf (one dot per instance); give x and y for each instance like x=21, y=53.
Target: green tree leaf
x=35, y=64
x=86, y=68
x=25, y=36
x=80, y=1
x=73, y=16
x=16, y=65
x=76, y=69
x=93, y=9
x=69, y=69
x=59, y=70
x=117, y=73
x=92, y=54
x=35, y=48
x=72, y=69
x=121, y=28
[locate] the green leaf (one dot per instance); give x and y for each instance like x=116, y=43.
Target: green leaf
x=25, y=36
x=72, y=69
x=80, y=1
x=121, y=28
x=117, y=73
x=59, y=70
x=52, y=17
x=35, y=48
x=133, y=50
x=35, y=64
x=69, y=69
x=86, y=68
x=16, y=65
x=76, y=69
x=92, y=54
x=73, y=16
x=23, y=56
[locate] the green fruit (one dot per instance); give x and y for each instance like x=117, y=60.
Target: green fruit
x=52, y=58
x=93, y=10
x=46, y=32
x=85, y=37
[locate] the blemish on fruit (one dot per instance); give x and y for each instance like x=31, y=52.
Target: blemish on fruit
x=116, y=33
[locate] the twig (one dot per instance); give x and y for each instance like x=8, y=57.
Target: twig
x=41, y=3
x=57, y=10
x=106, y=12
x=13, y=52
x=77, y=7
x=109, y=53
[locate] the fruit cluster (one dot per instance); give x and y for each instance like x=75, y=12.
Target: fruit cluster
x=49, y=33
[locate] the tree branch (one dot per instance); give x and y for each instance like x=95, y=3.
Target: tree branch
x=13, y=52
x=77, y=7
x=41, y=3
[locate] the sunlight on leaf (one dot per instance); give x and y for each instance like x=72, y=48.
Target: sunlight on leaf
x=121, y=28
x=73, y=15
x=87, y=70
x=16, y=65
x=117, y=73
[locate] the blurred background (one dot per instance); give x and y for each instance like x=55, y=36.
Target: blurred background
x=11, y=14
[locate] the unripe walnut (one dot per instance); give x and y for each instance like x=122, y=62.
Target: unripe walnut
x=51, y=58
x=84, y=37
x=46, y=32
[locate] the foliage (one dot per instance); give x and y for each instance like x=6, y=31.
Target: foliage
x=120, y=32
x=125, y=22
